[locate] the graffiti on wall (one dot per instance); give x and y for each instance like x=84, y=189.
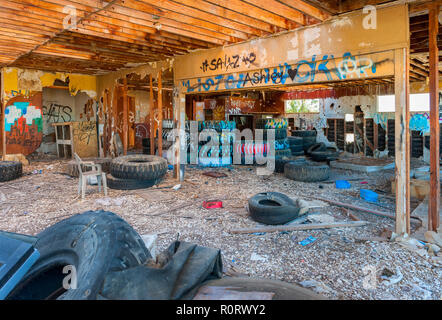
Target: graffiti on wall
x=419, y=122
x=57, y=113
x=84, y=131
x=328, y=68
x=23, y=127
x=227, y=63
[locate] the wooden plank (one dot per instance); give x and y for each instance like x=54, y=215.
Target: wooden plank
x=125, y=116
x=434, y=199
x=375, y=135
x=160, y=115
x=151, y=120
x=308, y=9
x=299, y=227
x=3, y=134
x=402, y=142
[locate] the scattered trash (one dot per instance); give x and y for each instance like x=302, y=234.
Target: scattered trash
x=390, y=277
x=364, y=182
x=37, y=172
x=150, y=240
x=212, y=204
x=316, y=286
x=259, y=233
x=307, y=241
x=176, y=187
x=342, y=184
x=432, y=249
x=433, y=237
x=369, y=195
x=92, y=180
x=110, y=201
x=214, y=174
x=170, y=167
x=321, y=218
x=257, y=257
x=411, y=244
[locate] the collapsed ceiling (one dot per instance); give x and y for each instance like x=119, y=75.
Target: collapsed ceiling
x=96, y=36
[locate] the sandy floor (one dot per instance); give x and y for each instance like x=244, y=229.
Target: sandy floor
x=340, y=263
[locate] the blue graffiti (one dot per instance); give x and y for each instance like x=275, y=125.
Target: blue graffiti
x=304, y=71
x=419, y=122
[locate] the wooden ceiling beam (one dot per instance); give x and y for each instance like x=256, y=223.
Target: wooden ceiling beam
x=280, y=9
x=307, y=9
x=174, y=11
x=260, y=28
x=257, y=13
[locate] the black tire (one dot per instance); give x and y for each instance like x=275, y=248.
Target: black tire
x=280, y=134
x=306, y=171
x=295, y=141
x=272, y=208
x=129, y=184
x=297, y=149
x=280, y=163
x=298, y=153
x=308, y=142
x=94, y=242
x=10, y=170
x=283, y=153
x=145, y=142
x=316, y=147
x=304, y=133
x=72, y=168
x=139, y=167
x=328, y=155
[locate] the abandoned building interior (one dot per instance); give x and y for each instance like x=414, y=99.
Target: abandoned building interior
x=350, y=90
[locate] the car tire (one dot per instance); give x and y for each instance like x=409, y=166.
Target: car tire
x=139, y=167
x=10, y=170
x=306, y=171
x=272, y=208
x=94, y=243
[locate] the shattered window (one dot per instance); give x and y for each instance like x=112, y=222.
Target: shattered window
x=302, y=106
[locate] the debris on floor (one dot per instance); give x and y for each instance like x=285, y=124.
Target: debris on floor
x=336, y=259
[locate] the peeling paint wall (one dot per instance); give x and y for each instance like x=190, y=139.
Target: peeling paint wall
x=23, y=81
x=57, y=105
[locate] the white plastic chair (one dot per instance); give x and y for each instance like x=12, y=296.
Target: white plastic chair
x=83, y=175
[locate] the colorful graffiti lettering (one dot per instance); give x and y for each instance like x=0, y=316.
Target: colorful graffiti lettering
x=328, y=68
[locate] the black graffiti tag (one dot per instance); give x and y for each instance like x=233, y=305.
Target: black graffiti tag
x=228, y=62
x=57, y=113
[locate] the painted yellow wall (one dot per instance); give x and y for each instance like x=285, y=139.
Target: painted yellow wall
x=24, y=82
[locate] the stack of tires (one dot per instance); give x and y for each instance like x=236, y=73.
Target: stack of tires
x=308, y=137
x=146, y=145
x=10, y=170
x=211, y=156
x=296, y=145
x=137, y=171
x=281, y=143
